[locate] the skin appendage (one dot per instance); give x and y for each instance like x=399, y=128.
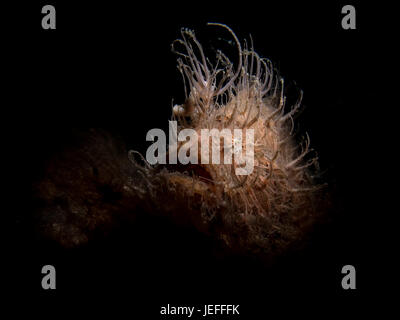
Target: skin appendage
x=272, y=206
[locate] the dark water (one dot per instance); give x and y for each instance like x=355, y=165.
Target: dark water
x=110, y=66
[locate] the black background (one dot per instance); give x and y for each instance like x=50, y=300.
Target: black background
x=110, y=65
